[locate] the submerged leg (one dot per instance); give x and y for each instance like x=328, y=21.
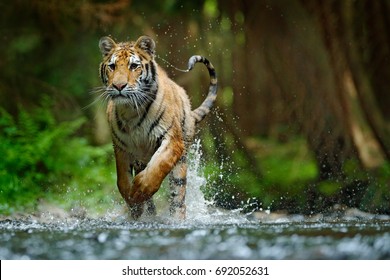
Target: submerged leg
x=177, y=184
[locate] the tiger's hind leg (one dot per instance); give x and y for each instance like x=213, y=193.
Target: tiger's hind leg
x=177, y=184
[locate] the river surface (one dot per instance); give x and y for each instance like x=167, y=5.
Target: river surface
x=224, y=237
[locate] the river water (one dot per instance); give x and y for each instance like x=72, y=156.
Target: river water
x=207, y=233
x=245, y=239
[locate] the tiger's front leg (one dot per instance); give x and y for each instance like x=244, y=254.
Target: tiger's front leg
x=139, y=208
x=124, y=172
x=148, y=181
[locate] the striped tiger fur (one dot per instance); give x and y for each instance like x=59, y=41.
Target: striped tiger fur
x=151, y=121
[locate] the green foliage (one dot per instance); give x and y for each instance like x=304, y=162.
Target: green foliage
x=290, y=181
x=328, y=187
x=24, y=44
x=287, y=169
x=42, y=157
x=210, y=8
x=377, y=198
x=287, y=163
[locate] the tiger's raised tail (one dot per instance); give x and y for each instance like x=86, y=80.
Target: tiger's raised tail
x=201, y=112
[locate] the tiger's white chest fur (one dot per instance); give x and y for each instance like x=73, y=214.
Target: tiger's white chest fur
x=135, y=132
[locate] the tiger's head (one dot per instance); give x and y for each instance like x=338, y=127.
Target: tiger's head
x=129, y=71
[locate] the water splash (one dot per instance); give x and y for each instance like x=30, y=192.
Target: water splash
x=199, y=210
x=196, y=203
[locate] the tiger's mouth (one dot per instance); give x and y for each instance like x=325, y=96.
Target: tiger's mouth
x=118, y=96
x=128, y=98
x=114, y=93
x=122, y=98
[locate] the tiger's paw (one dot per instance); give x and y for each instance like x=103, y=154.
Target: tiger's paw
x=144, y=187
x=136, y=210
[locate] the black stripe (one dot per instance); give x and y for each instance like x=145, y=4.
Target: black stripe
x=147, y=69
x=178, y=182
x=145, y=114
x=147, y=108
x=139, y=166
x=142, y=56
x=156, y=121
x=153, y=70
x=147, y=80
x=212, y=73
x=102, y=72
x=183, y=124
x=210, y=68
x=161, y=137
x=119, y=123
x=119, y=147
x=183, y=121
x=116, y=137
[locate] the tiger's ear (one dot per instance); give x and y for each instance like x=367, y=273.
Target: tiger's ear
x=106, y=44
x=146, y=44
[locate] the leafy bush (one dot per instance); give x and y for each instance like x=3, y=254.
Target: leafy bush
x=41, y=157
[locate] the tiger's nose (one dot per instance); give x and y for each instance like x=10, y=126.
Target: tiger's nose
x=119, y=86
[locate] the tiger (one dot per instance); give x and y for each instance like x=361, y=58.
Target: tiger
x=151, y=121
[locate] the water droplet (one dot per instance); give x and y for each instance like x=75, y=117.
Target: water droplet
x=102, y=237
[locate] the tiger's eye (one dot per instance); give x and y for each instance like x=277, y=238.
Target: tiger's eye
x=133, y=66
x=111, y=66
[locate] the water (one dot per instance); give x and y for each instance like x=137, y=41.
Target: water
x=208, y=233
x=100, y=239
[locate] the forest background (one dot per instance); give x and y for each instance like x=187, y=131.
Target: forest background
x=302, y=116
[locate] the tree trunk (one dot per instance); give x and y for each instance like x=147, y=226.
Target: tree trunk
x=349, y=79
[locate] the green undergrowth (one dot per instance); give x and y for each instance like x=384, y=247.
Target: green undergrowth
x=288, y=180
x=47, y=160
x=285, y=168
